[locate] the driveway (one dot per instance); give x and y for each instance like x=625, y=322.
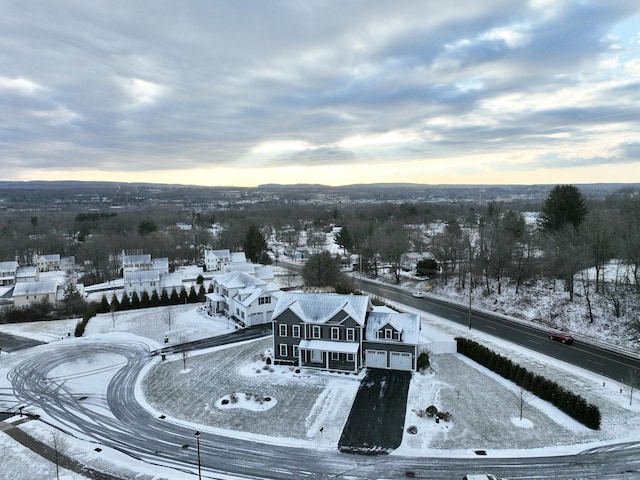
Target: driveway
x=375, y=424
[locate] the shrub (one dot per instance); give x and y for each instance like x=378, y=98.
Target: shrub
x=431, y=410
x=423, y=361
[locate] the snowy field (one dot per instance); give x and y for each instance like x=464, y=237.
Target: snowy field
x=484, y=406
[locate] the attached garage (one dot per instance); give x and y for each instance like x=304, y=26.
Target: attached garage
x=401, y=361
x=376, y=358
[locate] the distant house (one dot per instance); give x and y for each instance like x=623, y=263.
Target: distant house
x=342, y=333
x=151, y=280
x=28, y=273
x=160, y=264
x=132, y=263
x=8, y=272
x=29, y=293
x=220, y=260
x=249, y=299
x=48, y=263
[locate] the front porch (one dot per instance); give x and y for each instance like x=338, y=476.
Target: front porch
x=330, y=355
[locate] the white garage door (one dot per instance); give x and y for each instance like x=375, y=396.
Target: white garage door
x=400, y=361
x=376, y=358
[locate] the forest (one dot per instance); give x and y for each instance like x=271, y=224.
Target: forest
x=494, y=243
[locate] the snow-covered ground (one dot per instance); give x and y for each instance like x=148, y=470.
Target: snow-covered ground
x=484, y=406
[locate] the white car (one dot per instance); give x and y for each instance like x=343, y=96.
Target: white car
x=417, y=294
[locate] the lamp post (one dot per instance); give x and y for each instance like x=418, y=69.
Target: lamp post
x=198, y=444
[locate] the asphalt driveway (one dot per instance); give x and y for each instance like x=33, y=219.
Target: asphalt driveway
x=375, y=424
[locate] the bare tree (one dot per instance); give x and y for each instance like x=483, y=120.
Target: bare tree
x=632, y=382
x=168, y=316
x=522, y=398
x=184, y=338
x=59, y=445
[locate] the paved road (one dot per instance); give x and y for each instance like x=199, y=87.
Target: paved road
x=119, y=421
x=604, y=361
x=13, y=343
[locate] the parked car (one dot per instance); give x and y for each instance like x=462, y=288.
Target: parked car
x=417, y=294
x=487, y=476
x=561, y=337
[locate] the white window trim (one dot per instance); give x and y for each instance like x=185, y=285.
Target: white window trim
x=283, y=349
x=316, y=332
x=283, y=330
x=335, y=333
x=295, y=331
x=351, y=335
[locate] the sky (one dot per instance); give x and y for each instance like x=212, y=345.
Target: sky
x=242, y=93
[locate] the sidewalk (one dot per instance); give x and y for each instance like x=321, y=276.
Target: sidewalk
x=47, y=452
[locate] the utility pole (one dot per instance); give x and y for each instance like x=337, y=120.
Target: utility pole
x=469, y=296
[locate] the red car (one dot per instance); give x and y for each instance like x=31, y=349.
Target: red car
x=561, y=337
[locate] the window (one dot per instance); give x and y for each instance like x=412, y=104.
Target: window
x=283, y=330
x=387, y=333
x=264, y=300
x=335, y=333
x=295, y=331
x=379, y=334
x=283, y=349
x=335, y=356
x=350, y=357
x=296, y=351
x=350, y=334
x=315, y=331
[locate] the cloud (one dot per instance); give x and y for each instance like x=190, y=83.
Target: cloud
x=150, y=87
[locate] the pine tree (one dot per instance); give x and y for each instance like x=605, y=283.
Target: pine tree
x=343, y=239
x=254, y=244
x=565, y=205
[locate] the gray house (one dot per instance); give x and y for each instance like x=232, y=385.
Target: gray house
x=342, y=333
x=320, y=330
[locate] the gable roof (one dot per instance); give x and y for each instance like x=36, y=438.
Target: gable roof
x=135, y=259
x=34, y=288
x=407, y=323
x=239, y=279
x=142, y=276
x=321, y=307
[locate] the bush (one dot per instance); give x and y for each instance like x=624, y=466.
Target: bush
x=423, y=361
x=570, y=403
x=431, y=410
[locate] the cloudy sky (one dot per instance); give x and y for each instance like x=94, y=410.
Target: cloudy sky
x=337, y=92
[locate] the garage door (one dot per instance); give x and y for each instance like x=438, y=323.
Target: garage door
x=376, y=358
x=400, y=361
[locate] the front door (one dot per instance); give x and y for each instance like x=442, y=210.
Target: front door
x=316, y=356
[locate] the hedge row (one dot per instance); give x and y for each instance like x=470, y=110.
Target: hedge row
x=573, y=405
x=153, y=300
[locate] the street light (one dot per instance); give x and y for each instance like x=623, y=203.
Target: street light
x=198, y=444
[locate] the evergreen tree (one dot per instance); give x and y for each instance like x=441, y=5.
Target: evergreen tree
x=135, y=300
x=104, y=305
x=265, y=259
x=343, y=239
x=184, y=296
x=164, y=298
x=145, y=300
x=201, y=293
x=193, y=296
x=321, y=270
x=174, y=299
x=125, y=304
x=155, y=299
x=115, y=303
x=254, y=244
x=565, y=205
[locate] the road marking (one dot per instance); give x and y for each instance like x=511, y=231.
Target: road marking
x=595, y=363
x=533, y=341
x=491, y=327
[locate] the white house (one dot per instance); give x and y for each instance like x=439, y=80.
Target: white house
x=132, y=263
x=8, y=273
x=141, y=281
x=220, y=260
x=48, y=263
x=28, y=273
x=28, y=293
x=247, y=298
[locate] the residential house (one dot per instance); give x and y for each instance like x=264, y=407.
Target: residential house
x=28, y=293
x=345, y=333
x=28, y=273
x=8, y=273
x=391, y=340
x=320, y=330
x=249, y=299
x=219, y=260
x=48, y=263
x=160, y=264
x=132, y=263
x=141, y=281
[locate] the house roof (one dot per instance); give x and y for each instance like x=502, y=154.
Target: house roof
x=321, y=307
x=133, y=259
x=54, y=257
x=162, y=262
x=142, y=276
x=34, y=288
x=238, y=257
x=238, y=279
x=170, y=281
x=27, y=271
x=8, y=266
x=407, y=323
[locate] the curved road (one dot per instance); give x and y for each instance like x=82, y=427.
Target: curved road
x=119, y=421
